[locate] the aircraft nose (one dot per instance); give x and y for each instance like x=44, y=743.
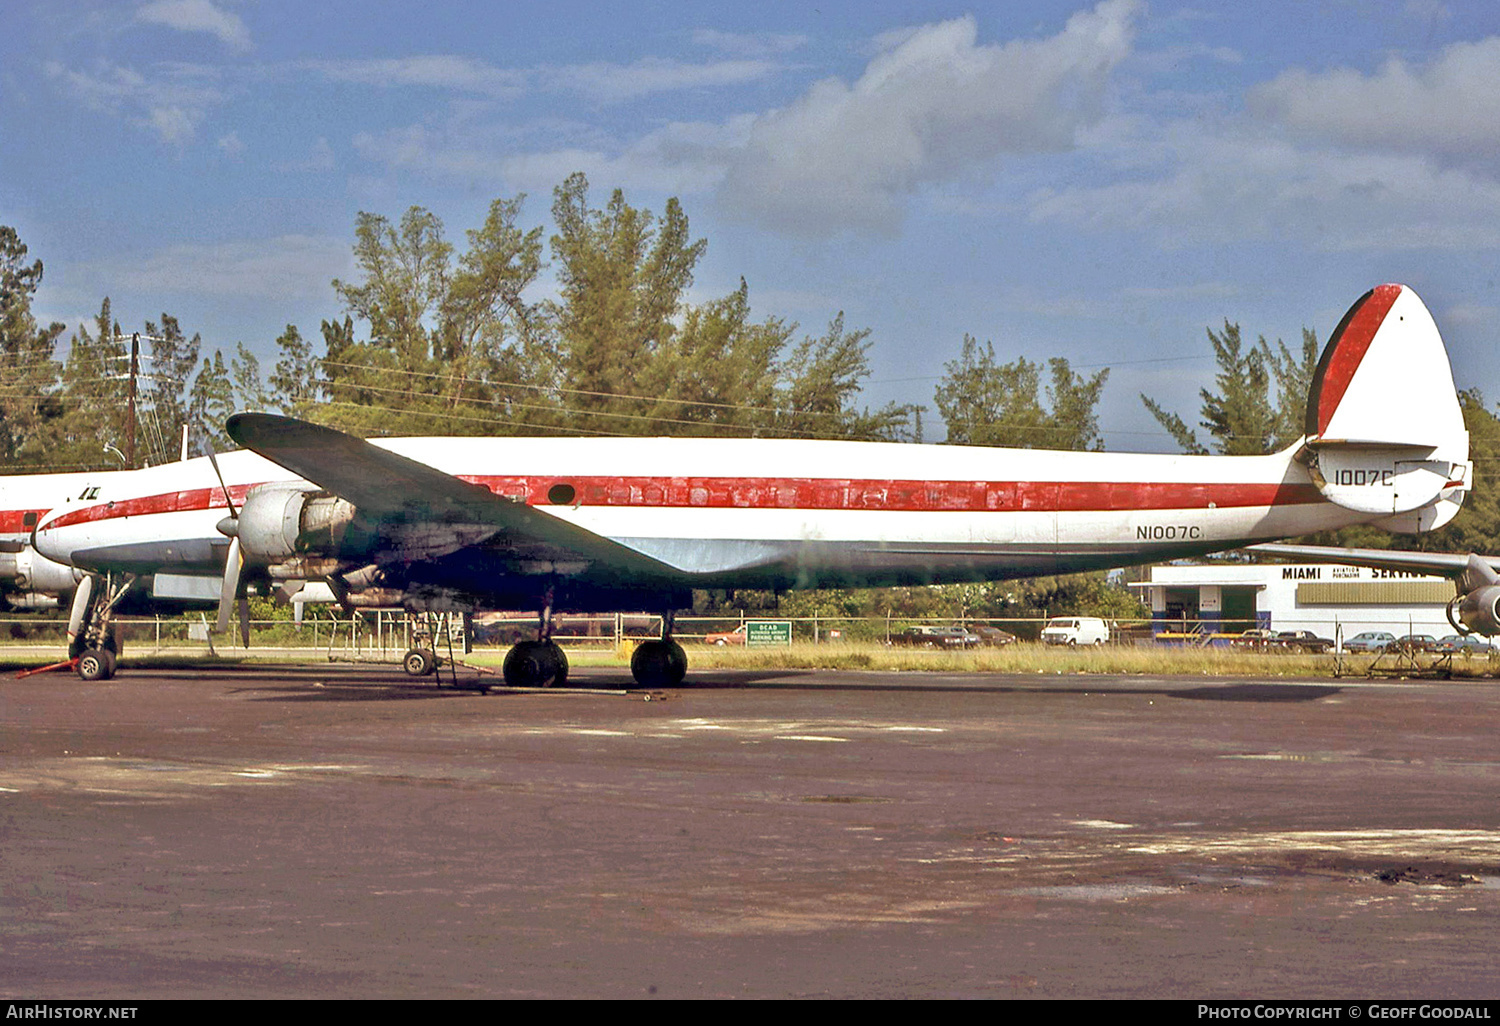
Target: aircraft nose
x=51, y=541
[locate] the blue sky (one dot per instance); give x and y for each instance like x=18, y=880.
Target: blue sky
x=1094, y=181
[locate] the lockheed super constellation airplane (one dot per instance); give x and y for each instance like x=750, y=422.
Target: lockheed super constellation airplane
x=592, y=525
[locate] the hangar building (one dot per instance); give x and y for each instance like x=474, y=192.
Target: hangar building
x=1327, y=599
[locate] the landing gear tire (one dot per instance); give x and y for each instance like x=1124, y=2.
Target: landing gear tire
x=560, y=660
x=658, y=664
x=96, y=664
x=419, y=662
x=535, y=664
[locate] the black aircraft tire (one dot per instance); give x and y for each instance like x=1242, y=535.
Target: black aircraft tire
x=560, y=663
x=534, y=664
x=419, y=662
x=658, y=664
x=96, y=664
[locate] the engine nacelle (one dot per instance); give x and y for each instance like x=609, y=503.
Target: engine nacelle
x=29, y=570
x=280, y=521
x=1479, y=610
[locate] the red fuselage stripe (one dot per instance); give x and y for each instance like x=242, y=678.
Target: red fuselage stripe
x=13, y=521
x=805, y=493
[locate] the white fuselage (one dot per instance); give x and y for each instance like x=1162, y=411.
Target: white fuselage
x=793, y=512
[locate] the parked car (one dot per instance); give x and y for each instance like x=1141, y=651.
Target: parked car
x=1075, y=630
x=1369, y=641
x=991, y=637
x=936, y=637
x=1256, y=638
x=1414, y=643
x=1468, y=644
x=726, y=638
x=1303, y=641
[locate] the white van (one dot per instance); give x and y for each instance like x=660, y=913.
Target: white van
x=1075, y=630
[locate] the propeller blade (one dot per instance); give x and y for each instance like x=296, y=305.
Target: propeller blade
x=214, y=462
x=230, y=588
x=244, y=605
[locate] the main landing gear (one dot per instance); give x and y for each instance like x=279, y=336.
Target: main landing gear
x=541, y=663
x=536, y=664
x=93, y=640
x=659, y=663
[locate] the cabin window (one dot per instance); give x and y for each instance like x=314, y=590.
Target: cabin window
x=561, y=495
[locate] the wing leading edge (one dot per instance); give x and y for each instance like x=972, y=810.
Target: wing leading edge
x=1446, y=564
x=385, y=485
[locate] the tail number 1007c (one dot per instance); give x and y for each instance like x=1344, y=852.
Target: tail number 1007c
x=1356, y=477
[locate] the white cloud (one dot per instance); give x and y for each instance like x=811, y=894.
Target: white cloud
x=602, y=82
x=1397, y=160
x=282, y=268
x=231, y=145
x=758, y=44
x=197, y=16
x=436, y=71
x=609, y=83
x=172, y=101
x=1446, y=108
x=321, y=158
x=1210, y=185
x=679, y=157
x=1474, y=315
x=934, y=105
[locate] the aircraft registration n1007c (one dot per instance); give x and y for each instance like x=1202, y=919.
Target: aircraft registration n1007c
x=629, y=523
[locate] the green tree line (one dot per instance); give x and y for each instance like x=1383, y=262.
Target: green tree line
x=434, y=337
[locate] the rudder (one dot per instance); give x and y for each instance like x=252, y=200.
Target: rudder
x=1384, y=431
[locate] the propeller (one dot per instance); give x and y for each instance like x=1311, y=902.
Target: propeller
x=229, y=588
x=234, y=562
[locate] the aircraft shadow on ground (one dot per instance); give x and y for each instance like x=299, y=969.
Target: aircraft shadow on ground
x=388, y=684
x=816, y=681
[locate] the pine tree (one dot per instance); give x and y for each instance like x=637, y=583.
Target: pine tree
x=31, y=409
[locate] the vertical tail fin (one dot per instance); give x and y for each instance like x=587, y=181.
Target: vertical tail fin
x=1384, y=431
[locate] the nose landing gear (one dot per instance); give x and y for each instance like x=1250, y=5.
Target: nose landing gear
x=93, y=642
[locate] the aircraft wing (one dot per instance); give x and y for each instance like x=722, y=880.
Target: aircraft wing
x=386, y=486
x=1474, y=610
x=1446, y=563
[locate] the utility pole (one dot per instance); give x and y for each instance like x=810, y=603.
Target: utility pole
x=135, y=363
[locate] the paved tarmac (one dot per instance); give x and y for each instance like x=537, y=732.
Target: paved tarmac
x=342, y=831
